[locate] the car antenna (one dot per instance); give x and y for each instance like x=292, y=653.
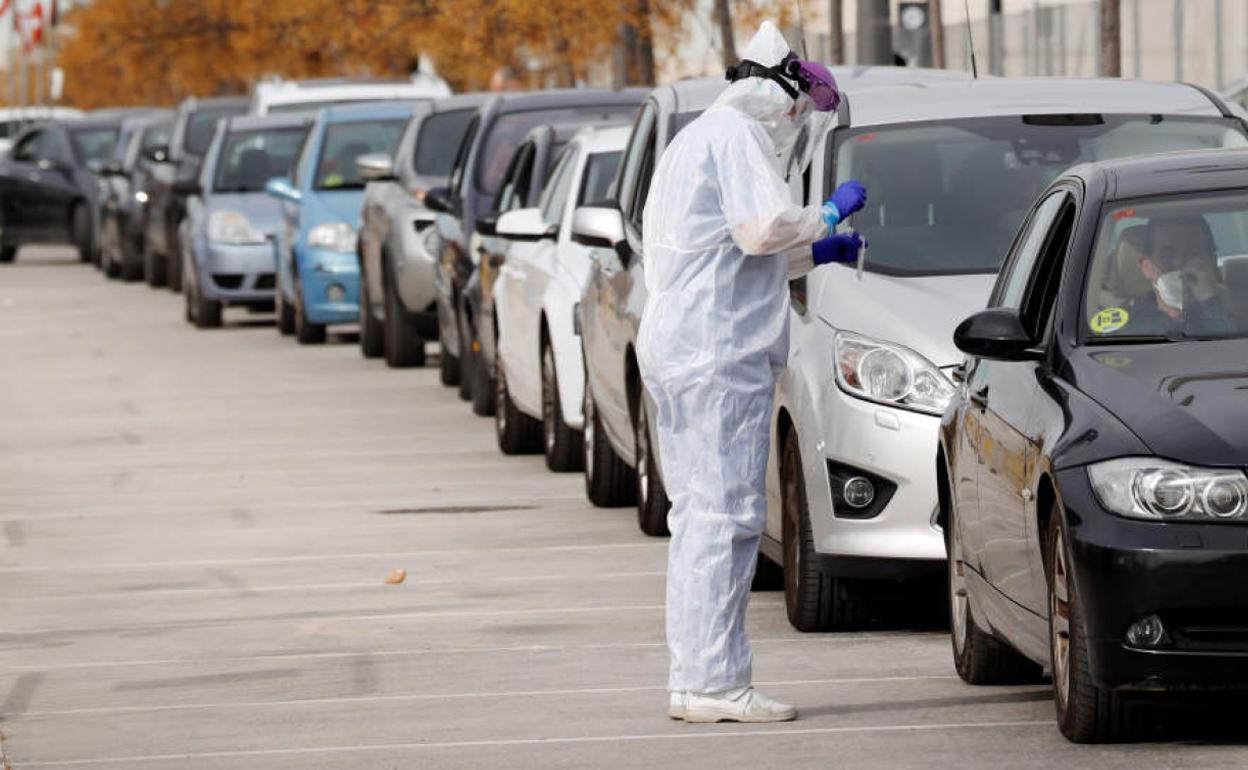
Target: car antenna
x=970, y=39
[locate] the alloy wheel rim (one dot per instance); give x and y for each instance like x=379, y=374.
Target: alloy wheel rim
x=1059, y=619
x=959, y=602
x=500, y=398
x=643, y=459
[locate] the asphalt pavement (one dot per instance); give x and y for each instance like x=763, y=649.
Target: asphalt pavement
x=195, y=530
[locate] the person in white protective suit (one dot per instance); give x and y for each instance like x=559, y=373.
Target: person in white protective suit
x=722, y=236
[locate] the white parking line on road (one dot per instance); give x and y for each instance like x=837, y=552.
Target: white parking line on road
x=442, y=696
x=484, y=650
x=233, y=591
x=180, y=565
x=761, y=732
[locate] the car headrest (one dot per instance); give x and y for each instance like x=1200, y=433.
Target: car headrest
x=1126, y=280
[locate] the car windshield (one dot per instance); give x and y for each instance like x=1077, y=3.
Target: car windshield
x=344, y=142
x=948, y=197
x=156, y=136
x=249, y=159
x=510, y=129
x=201, y=126
x=1170, y=268
x=440, y=135
x=599, y=174
x=94, y=143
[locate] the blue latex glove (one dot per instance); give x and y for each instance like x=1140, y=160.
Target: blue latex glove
x=846, y=199
x=842, y=247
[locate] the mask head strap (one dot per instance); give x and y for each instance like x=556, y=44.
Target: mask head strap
x=780, y=74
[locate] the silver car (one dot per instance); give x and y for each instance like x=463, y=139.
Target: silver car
x=231, y=221
x=951, y=171
x=396, y=286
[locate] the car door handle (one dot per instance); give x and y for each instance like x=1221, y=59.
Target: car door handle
x=979, y=398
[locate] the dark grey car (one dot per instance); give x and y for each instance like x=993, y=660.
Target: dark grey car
x=123, y=210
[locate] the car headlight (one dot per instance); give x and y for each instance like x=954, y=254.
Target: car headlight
x=140, y=196
x=1161, y=490
x=335, y=236
x=232, y=227
x=890, y=374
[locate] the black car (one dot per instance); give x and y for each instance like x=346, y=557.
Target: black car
x=1091, y=466
x=123, y=210
x=193, y=127
x=476, y=178
x=50, y=185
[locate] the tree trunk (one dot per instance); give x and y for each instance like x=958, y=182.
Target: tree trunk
x=836, y=33
x=1111, y=39
x=936, y=21
x=643, y=51
x=723, y=15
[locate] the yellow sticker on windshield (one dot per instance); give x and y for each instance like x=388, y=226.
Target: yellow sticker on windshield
x=1109, y=320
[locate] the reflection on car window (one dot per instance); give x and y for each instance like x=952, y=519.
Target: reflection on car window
x=27, y=150
x=599, y=175
x=93, y=143
x=440, y=135
x=344, y=142
x=1174, y=267
x=249, y=159
x=949, y=197
x=557, y=187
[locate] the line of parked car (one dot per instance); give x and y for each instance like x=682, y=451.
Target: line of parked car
x=1070, y=461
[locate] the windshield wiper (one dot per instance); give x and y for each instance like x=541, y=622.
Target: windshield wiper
x=1132, y=339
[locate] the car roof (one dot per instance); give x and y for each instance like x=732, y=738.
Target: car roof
x=999, y=97
x=1168, y=173
x=327, y=89
x=523, y=101
x=39, y=113
x=280, y=120
x=153, y=118
x=461, y=101
x=368, y=111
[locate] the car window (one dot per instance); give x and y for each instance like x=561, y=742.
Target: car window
x=90, y=144
x=1038, y=299
x=948, y=197
x=598, y=177
x=202, y=124
x=156, y=136
x=125, y=141
x=510, y=129
x=461, y=156
x=342, y=143
x=1014, y=278
x=440, y=136
x=27, y=150
x=249, y=159
x=515, y=191
x=640, y=138
x=555, y=195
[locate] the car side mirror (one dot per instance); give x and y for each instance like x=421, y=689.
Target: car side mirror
x=375, y=167
x=281, y=188
x=187, y=187
x=524, y=225
x=601, y=227
x=488, y=224
x=996, y=334
x=439, y=199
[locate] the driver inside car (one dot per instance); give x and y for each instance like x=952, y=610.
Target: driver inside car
x=1180, y=261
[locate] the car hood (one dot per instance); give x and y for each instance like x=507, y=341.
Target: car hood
x=917, y=312
x=333, y=206
x=262, y=210
x=1185, y=400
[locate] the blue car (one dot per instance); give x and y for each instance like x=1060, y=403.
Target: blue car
x=318, y=271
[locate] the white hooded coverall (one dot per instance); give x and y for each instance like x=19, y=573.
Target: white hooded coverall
x=719, y=230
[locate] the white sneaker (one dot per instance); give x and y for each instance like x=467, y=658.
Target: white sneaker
x=742, y=705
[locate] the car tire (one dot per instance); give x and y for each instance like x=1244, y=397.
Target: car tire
x=813, y=599
x=448, y=363
x=562, y=444
x=8, y=253
x=482, y=387
x=203, y=313
x=306, y=332
x=652, y=501
x=979, y=657
x=372, y=333
x=155, y=267
x=285, y=313
x=80, y=230
x=768, y=576
x=175, y=262
x=609, y=481
x=518, y=433
x=1085, y=713
x=131, y=267
x=404, y=347
x=467, y=359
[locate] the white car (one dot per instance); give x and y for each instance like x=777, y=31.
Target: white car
x=541, y=371
x=951, y=171
x=318, y=93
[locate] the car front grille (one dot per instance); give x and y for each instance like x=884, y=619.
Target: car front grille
x=228, y=280
x=266, y=281
x=1209, y=631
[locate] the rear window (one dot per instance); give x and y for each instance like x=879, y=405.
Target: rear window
x=93, y=143
x=509, y=130
x=440, y=135
x=202, y=124
x=344, y=142
x=249, y=159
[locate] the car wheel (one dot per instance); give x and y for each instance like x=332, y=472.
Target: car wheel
x=80, y=228
x=131, y=266
x=285, y=313
x=467, y=360
x=154, y=267
x=978, y=657
x=562, y=444
x=372, y=334
x=403, y=346
x=517, y=432
x=482, y=387
x=652, y=502
x=768, y=576
x=8, y=253
x=306, y=332
x=1085, y=713
x=175, y=262
x=448, y=363
x=204, y=313
x=609, y=481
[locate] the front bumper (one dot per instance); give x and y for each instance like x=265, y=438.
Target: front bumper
x=1193, y=576
x=899, y=446
x=237, y=273
x=324, y=274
